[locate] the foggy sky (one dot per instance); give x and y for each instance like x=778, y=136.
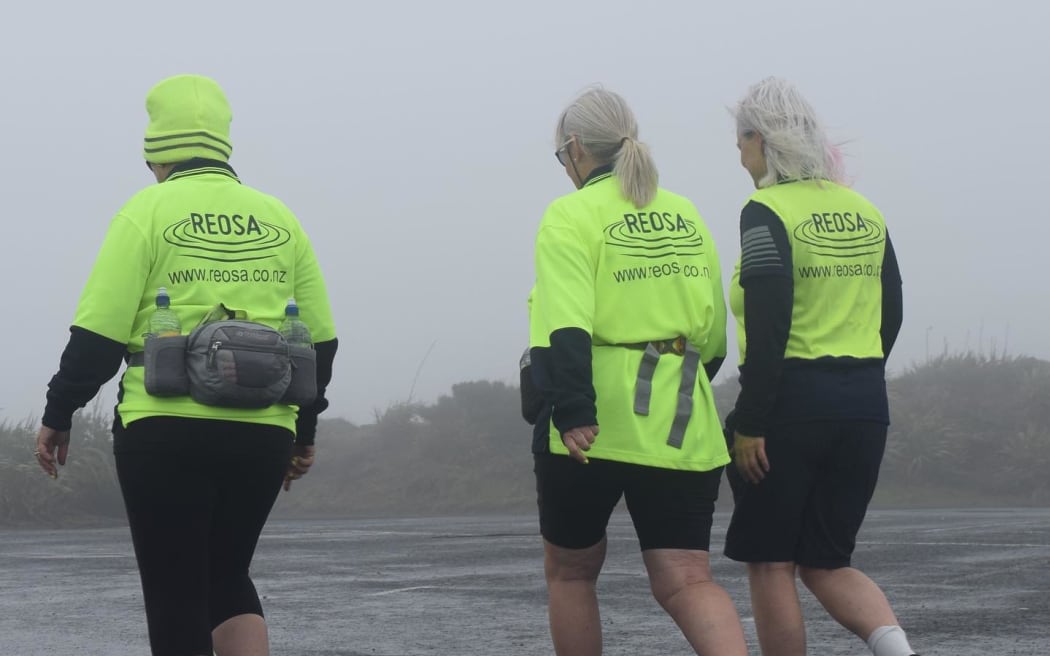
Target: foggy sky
x=414, y=141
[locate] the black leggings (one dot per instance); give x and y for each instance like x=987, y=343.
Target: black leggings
x=197, y=494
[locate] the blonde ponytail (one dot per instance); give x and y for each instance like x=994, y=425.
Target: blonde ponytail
x=606, y=128
x=636, y=170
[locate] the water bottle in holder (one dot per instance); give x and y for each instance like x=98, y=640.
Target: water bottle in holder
x=303, y=387
x=295, y=332
x=164, y=322
x=163, y=357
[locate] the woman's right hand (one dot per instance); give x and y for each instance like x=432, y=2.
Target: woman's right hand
x=749, y=453
x=51, y=446
x=578, y=440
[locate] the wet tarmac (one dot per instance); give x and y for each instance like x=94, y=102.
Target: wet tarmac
x=964, y=583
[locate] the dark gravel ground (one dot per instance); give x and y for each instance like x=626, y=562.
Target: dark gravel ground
x=963, y=582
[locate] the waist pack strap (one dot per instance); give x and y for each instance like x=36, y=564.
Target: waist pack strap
x=643, y=386
x=136, y=359
x=684, y=410
x=675, y=345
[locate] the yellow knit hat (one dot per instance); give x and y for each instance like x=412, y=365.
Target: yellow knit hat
x=188, y=117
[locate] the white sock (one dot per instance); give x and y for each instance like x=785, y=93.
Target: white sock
x=889, y=641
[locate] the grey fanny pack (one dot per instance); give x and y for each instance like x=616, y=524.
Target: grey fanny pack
x=230, y=363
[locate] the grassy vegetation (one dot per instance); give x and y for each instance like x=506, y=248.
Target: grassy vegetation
x=967, y=430
x=85, y=493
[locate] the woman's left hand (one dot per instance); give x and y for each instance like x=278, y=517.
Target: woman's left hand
x=302, y=460
x=749, y=453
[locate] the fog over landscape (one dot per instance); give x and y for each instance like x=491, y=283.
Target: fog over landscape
x=414, y=142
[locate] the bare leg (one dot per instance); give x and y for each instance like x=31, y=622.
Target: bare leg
x=241, y=635
x=572, y=601
x=681, y=582
x=850, y=597
x=778, y=613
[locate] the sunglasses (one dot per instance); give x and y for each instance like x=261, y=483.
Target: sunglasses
x=562, y=150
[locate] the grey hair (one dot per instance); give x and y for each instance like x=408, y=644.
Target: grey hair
x=795, y=144
x=606, y=128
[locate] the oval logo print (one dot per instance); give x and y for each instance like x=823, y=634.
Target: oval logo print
x=226, y=237
x=840, y=234
x=654, y=235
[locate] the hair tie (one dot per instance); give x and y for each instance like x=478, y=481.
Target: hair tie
x=624, y=140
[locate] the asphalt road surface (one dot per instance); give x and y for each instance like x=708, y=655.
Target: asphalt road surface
x=963, y=582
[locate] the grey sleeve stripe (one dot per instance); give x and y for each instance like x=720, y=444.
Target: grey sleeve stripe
x=763, y=257
x=757, y=241
x=759, y=250
x=760, y=246
x=758, y=232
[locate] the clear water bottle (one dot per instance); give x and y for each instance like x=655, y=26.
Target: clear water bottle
x=164, y=322
x=295, y=332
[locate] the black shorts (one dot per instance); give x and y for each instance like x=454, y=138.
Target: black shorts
x=671, y=509
x=810, y=505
